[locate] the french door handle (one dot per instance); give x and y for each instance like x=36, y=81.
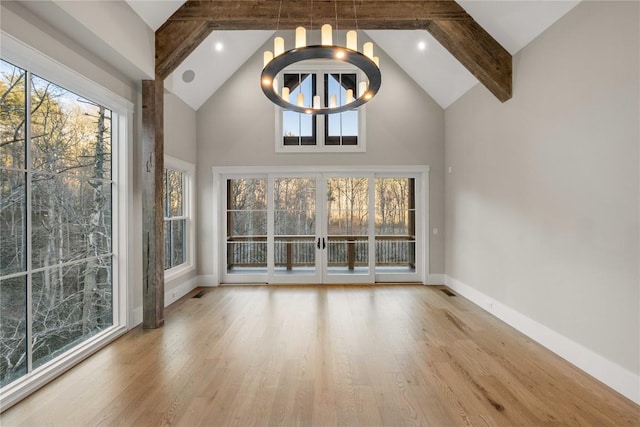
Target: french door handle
x=318, y=243
x=324, y=245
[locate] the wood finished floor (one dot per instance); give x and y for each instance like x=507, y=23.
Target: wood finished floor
x=325, y=356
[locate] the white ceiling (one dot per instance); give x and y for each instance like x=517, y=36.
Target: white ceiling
x=155, y=12
x=513, y=23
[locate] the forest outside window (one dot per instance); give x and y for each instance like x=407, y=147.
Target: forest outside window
x=177, y=212
x=56, y=221
x=340, y=132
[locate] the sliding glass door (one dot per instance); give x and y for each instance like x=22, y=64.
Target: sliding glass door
x=347, y=229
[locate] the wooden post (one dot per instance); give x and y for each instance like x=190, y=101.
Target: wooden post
x=152, y=209
x=289, y=256
x=351, y=253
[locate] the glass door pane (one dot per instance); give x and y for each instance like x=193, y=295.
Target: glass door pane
x=294, y=230
x=246, y=226
x=347, y=229
x=395, y=225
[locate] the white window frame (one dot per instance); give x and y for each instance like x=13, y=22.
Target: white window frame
x=189, y=173
x=32, y=60
x=320, y=146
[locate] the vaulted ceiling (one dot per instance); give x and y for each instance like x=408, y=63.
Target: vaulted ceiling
x=446, y=47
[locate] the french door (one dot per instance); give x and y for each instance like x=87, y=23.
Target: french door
x=331, y=227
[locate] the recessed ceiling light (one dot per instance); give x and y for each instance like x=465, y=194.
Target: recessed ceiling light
x=188, y=76
x=422, y=45
x=219, y=46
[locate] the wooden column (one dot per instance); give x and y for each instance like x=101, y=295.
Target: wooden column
x=152, y=209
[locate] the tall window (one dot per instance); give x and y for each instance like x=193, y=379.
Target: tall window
x=309, y=133
x=340, y=128
x=56, y=284
x=299, y=129
x=178, y=176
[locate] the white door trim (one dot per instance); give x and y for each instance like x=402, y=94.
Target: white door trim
x=221, y=173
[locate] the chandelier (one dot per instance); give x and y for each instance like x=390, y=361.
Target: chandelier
x=275, y=62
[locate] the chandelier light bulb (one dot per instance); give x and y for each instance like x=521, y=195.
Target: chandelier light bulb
x=285, y=94
x=268, y=56
x=300, y=100
x=367, y=49
x=352, y=40
x=333, y=101
x=301, y=37
x=362, y=88
x=349, y=96
x=327, y=37
x=316, y=102
x=278, y=46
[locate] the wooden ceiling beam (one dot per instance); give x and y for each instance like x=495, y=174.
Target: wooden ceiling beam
x=175, y=40
x=474, y=48
x=446, y=20
x=264, y=14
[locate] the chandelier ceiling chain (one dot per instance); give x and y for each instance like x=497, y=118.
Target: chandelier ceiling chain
x=366, y=84
x=355, y=14
x=279, y=11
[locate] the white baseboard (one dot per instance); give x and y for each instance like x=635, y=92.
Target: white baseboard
x=177, y=292
x=136, y=317
x=436, y=279
x=208, y=281
x=615, y=376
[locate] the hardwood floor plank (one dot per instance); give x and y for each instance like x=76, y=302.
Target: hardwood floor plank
x=400, y=355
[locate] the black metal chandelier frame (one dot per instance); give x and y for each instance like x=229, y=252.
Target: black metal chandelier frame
x=339, y=53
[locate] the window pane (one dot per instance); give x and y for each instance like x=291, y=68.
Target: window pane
x=12, y=116
x=294, y=204
x=295, y=224
x=394, y=202
x=70, y=134
x=71, y=219
x=297, y=128
x=247, y=194
x=12, y=222
x=13, y=329
x=174, y=187
x=341, y=128
x=395, y=224
x=246, y=225
x=167, y=244
x=347, y=205
x=177, y=242
x=70, y=304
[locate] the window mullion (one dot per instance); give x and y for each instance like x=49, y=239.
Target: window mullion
x=27, y=220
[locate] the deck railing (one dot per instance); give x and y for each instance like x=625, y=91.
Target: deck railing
x=300, y=251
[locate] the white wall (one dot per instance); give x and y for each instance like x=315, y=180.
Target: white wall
x=543, y=200
x=179, y=142
x=31, y=29
x=236, y=127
